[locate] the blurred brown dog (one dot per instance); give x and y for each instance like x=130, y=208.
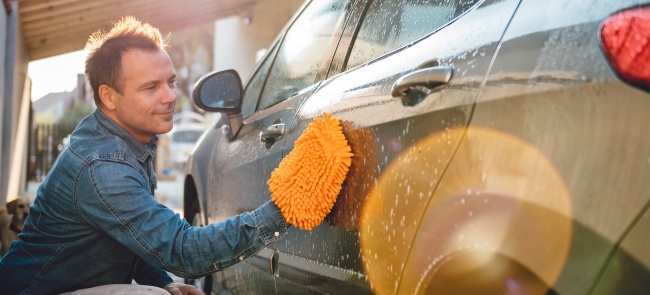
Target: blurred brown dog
x=11, y=222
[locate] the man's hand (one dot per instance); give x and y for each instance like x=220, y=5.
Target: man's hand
x=182, y=289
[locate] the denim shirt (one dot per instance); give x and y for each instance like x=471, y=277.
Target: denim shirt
x=95, y=222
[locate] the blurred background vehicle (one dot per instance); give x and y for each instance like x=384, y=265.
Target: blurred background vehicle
x=188, y=127
x=500, y=148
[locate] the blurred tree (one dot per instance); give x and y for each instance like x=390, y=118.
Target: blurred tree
x=76, y=113
x=191, y=51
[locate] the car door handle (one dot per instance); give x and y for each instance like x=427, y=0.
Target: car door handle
x=429, y=78
x=270, y=134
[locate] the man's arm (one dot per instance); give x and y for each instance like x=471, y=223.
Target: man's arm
x=118, y=203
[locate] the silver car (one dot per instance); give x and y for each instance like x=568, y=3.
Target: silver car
x=501, y=147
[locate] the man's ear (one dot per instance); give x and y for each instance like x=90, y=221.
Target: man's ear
x=108, y=96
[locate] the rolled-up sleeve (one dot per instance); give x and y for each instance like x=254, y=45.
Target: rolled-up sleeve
x=117, y=202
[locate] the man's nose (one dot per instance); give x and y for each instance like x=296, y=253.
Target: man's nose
x=169, y=96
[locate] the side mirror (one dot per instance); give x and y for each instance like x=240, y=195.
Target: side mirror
x=219, y=92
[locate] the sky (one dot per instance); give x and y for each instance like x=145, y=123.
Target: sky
x=56, y=74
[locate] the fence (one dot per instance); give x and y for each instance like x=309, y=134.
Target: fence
x=46, y=141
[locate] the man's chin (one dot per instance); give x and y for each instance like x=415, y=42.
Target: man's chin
x=165, y=131
x=168, y=127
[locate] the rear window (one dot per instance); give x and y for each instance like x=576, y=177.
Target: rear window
x=189, y=136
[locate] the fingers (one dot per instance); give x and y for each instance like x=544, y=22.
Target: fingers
x=174, y=291
x=182, y=289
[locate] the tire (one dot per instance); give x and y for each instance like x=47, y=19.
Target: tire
x=205, y=283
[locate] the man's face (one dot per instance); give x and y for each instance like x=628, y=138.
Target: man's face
x=146, y=105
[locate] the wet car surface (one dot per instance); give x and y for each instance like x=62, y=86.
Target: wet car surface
x=497, y=150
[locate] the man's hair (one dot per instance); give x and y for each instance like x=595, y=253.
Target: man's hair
x=105, y=50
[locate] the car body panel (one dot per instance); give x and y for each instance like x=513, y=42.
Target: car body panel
x=552, y=93
x=627, y=270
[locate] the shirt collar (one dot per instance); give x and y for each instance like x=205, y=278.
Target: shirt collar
x=142, y=151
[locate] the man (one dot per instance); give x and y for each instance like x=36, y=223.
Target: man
x=94, y=222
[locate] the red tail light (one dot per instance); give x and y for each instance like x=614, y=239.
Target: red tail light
x=625, y=39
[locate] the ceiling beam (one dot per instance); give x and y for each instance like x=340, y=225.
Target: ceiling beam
x=167, y=21
x=52, y=27
x=94, y=9
x=98, y=18
x=26, y=6
x=45, y=52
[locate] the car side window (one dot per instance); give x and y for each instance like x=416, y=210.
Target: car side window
x=300, y=54
x=390, y=24
x=254, y=87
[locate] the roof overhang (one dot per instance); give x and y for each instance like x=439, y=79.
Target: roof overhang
x=53, y=27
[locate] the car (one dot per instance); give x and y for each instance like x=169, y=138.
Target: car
x=188, y=128
x=500, y=146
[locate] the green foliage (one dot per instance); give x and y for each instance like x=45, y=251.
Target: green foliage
x=44, y=117
x=76, y=113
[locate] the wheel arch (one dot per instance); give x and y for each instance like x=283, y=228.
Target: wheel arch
x=191, y=199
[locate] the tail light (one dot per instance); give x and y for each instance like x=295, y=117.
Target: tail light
x=625, y=39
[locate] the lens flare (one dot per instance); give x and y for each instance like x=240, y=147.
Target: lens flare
x=499, y=221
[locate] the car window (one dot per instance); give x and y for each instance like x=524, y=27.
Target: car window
x=254, y=87
x=297, y=61
x=390, y=24
x=186, y=136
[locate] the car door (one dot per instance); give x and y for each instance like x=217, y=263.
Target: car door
x=409, y=74
x=242, y=165
x=555, y=162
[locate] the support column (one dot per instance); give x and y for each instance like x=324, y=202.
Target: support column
x=5, y=12
x=13, y=75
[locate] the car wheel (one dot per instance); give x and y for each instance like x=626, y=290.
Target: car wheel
x=205, y=283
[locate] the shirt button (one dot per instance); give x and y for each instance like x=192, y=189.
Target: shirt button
x=277, y=234
x=241, y=258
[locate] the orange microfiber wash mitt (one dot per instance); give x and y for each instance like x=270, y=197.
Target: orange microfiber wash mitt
x=309, y=179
